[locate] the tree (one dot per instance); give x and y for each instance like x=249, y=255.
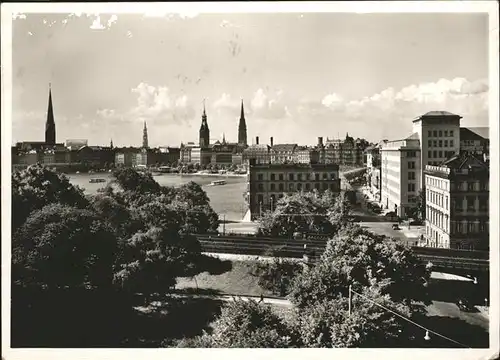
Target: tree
x=421, y=207
x=300, y=212
x=63, y=247
x=328, y=323
x=247, y=324
x=356, y=256
x=131, y=180
x=36, y=187
x=276, y=275
x=192, y=194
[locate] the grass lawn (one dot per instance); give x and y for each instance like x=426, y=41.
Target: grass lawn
x=238, y=281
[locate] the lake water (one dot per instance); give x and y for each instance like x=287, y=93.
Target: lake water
x=225, y=199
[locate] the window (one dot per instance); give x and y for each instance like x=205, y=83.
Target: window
x=325, y=186
x=260, y=177
x=440, y=143
x=325, y=176
x=411, y=175
x=451, y=133
x=429, y=133
x=429, y=154
x=446, y=133
x=273, y=186
x=299, y=186
x=429, y=143
x=446, y=143
x=332, y=187
x=281, y=177
x=440, y=133
x=470, y=186
x=260, y=187
x=281, y=187
x=435, y=143
x=332, y=176
x=260, y=199
x=273, y=177
x=299, y=177
x=440, y=153
x=316, y=186
x=308, y=176
x=411, y=164
x=434, y=133
x=451, y=143
x=316, y=177
x=308, y=186
x=446, y=202
x=411, y=187
x=290, y=187
x=470, y=203
x=435, y=154
x=290, y=177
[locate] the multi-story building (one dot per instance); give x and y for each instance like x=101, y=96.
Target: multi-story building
x=439, y=135
x=259, y=153
x=283, y=153
x=457, y=203
x=126, y=157
x=344, y=152
x=400, y=169
x=169, y=155
x=185, y=153
x=306, y=155
x=475, y=140
x=375, y=183
x=267, y=183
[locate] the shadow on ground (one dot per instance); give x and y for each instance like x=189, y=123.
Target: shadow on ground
x=453, y=290
x=88, y=319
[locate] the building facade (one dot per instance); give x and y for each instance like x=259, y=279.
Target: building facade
x=400, y=169
x=283, y=153
x=267, y=183
x=457, y=203
x=475, y=140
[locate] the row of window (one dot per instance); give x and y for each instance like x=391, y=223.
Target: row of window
x=440, y=133
x=470, y=203
x=439, y=154
x=470, y=186
x=439, y=183
x=291, y=187
x=299, y=177
x=437, y=198
x=439, y=143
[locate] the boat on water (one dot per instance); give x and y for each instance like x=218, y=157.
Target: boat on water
x=218, y=182
x=96, y=180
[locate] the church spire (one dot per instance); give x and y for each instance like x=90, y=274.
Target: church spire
x=111, y=144
x=145, y=136
x=50, y=126
x=242, y=127
x=204, y=138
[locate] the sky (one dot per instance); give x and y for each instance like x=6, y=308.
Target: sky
x=300, y=75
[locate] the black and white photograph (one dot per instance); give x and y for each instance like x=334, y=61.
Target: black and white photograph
x=250, y=175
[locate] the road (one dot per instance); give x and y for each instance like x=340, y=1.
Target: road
x=448, y=309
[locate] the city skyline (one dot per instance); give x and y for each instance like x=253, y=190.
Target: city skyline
x=350, y=71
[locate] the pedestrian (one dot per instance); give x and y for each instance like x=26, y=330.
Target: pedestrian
x=261, y=298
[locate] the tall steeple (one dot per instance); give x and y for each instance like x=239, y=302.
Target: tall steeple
x=204, y=140
x=145, y=137
x=50, y=125
x=111, y=144
x=242, y=128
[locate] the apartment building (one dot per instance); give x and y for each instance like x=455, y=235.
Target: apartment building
x=475, y=140
x=267, y=183
x=439, y=136
x=457, y=203
x=400, y=170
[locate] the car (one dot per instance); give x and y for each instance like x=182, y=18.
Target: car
x=464, y=305
x=395, y=227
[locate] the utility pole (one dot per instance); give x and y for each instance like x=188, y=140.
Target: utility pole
x=224, y=225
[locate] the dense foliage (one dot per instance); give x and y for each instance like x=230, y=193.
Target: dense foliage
x=246, y=324
x=300, y=212
x=276, y=275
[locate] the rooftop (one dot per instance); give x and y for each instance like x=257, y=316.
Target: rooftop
x=436, y=113
x=475, y=133
x=295, y=166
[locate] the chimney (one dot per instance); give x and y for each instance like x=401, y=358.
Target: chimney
x=271, y=141
x=320, y=140
x=256, y=140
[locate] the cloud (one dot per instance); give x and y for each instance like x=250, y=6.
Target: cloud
x=227, y=102
x=112, y=20
x=187, y=14
x=332, y=100
x=96, y=24
x=158, y=104
x=269, y=106
x=16, y=16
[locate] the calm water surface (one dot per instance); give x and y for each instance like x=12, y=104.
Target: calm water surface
x=225, y=199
